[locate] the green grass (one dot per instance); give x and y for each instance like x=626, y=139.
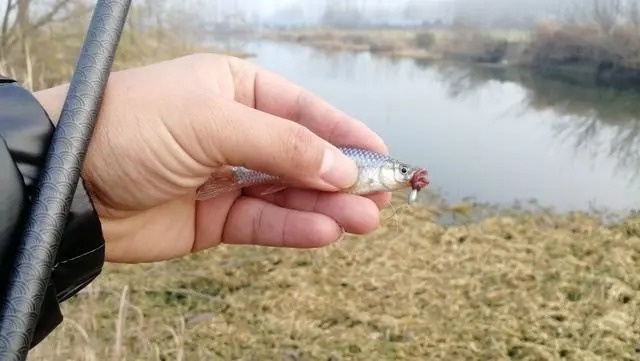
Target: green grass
x=529, y=286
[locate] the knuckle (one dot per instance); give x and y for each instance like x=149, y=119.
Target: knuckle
x=300, y=137
x=205, y=59
x=302, y=149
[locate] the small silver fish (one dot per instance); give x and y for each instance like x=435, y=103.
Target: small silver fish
x=377, y=173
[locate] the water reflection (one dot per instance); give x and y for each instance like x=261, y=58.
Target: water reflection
x=595, y=121
x=496, y=135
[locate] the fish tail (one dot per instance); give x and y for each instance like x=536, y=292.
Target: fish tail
x=219, y=183
x=211, y=190
x=214, y=187
x=232, y=179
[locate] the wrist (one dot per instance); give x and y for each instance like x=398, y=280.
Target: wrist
x=26, y=129
x=52, y=100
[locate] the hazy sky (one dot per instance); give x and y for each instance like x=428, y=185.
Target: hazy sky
x=391, y=11
x=265, y=8
x=268, y=7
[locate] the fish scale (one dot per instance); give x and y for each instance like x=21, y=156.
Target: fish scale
x=365, y=158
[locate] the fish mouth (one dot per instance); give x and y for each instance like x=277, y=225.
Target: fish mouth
x=419, y=180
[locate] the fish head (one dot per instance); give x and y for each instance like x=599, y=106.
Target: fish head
x=408, y=175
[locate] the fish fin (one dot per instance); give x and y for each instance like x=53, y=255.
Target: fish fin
x=220, y=182
x=273, y=189
x=212, y=190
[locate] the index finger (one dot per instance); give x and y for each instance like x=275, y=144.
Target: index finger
x=272, y=93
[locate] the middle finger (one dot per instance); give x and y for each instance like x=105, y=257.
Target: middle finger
x=356, y=214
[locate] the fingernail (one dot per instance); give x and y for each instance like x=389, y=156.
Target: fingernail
x=338, y=169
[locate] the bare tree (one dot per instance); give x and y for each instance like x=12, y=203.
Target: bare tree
x=15, y=28
x=40, y=39
x=23, y=26
x=11, y=5
x=633, y=13
x=606, y=13
x=21, y=20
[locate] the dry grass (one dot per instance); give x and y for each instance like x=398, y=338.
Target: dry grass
x=53, y=62
x=336, y=39
x=54, y=48
x=609, y=56
x=407, y=43
x=567, y=43
x=587, y=43
x=529, y=286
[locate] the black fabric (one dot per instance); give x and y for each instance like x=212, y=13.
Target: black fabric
x=25, y=133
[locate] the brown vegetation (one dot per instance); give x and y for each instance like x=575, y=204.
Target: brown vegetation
x=470, y=43
x=482, y=46
x=518, y=286
x=603, y=43
x=41, y=51
x=357, y=40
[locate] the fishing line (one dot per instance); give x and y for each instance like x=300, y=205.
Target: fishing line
x=395, y=214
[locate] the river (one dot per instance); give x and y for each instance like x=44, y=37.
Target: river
x=490, y=135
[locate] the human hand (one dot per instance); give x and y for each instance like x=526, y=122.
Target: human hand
x=164, y=128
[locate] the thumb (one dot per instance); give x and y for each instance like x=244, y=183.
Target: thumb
x=242, y=135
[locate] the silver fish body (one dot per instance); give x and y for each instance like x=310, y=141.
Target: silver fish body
x=376, y=173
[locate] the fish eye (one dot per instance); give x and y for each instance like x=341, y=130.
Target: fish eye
x=403, y=170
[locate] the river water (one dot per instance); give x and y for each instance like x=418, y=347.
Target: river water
x=492, y=135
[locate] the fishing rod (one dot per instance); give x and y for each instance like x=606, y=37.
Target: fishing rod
x=58, y=179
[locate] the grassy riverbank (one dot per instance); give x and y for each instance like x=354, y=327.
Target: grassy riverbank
x=408, y=43
x=517, y=285
x=596, y=53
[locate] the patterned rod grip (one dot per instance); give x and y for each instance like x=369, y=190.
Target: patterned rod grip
x=58, y=180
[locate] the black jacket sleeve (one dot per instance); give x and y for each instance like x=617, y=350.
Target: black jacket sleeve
x=25, y=133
